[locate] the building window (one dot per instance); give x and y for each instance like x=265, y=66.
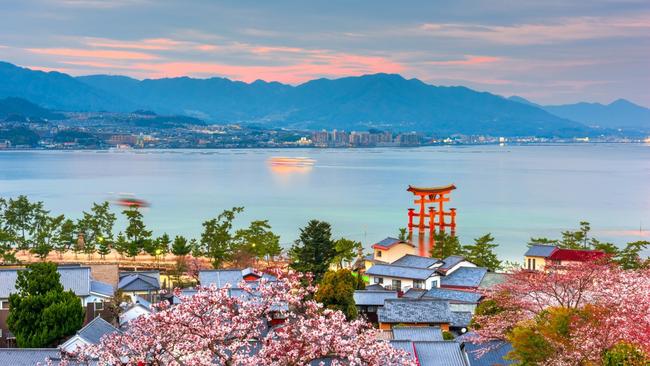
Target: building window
x=533, y=264
x=397, y=285
x=4, y=305
x=379, y=280
x=418, y=284
x=99, y=306
x=379, y=254
x=434, y=283
x=529, y=264
x=372, y=309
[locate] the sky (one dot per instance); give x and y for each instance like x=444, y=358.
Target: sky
x=549, y=51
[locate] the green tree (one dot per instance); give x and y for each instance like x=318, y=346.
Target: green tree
x=7, y=238
x=46, y=233
x=336, y=292
x=137, y=235
x=66, y=238
x=403, y=234
x=96, y=227
x=482, y=253
x=630, y=256
x=41, y=313
x=346, y=251
x=625, y=354
x=19, y=216
x=103, y=247
x=217, y=240
x=314, y=251
x=446, y=245
x=258, y=240
x=121, y=244
x=162, y=245
x=578, y=239
x=181, y=247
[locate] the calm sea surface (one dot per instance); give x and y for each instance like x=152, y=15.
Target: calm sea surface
x=514, y=192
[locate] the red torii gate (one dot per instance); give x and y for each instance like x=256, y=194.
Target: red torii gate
x=431, y=201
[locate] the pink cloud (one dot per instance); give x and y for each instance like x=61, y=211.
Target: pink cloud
x=322, y=66
x=98, y=54
x=467, y=61
x=145, y=44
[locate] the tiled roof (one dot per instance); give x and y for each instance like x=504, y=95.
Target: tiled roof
x=539, y=250
x=76, y=279
x=449, y=263
x=415, y=261
x=417, y=333
x=453, y=295
x=139, y=282
x=375, y=287
x=95, y=330
x=406, y=346
x=492, y=278
x=101, y=288
x=464, y=277
x=445, y=353
x=34, y=356
x=576, y=255
x=414, y=293
x=495, y=356
x=373, y=298
x=140, y=300
x=27, y=356
x=404, y=310
x=461, y=319
x=387, y=243
x=222, y=277
x=389, y=270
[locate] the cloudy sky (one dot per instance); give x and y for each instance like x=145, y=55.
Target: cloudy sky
x=550, y=51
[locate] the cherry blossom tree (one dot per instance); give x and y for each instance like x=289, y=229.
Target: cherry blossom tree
x=591, y=307
x=266, y=323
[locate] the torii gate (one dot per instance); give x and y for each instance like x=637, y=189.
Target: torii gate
x=431, y=201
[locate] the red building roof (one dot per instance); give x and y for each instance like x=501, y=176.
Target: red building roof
x=576, y=255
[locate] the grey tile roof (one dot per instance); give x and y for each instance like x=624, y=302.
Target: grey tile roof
x=222, y=277
x=95, y=330
x=406, y=346
x=143, y=302
x=375, y=287
x=461, y=319
x=453, y=295
x=417, y=333
x=389, y=270
x=414, y=293
x=492, y=278
x=497, y=350
x=139, y=282
x=415, y=261
x=32, y=357
x=373, y=298
x=465, y=277
x=445, y=353
x=539, y=250
x=101, y=288
x=76, y=279
x=450, y=262
x=405, y=310
x=389, y=242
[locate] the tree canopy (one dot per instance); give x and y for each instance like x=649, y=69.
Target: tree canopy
x=41, y=313
x=314, y=250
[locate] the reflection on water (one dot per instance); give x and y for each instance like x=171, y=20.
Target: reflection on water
x=290, y=165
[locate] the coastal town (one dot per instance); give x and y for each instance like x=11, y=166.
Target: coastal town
x=429, y=300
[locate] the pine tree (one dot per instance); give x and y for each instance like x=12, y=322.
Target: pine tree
x=41, y=313
x=314, y=251
x=446, y=245
x=217, y=241
x=482, y=253
x=181, y=247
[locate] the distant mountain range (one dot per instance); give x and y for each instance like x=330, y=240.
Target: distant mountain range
x=382, y=101
x=620, y=114
x=13, y=108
